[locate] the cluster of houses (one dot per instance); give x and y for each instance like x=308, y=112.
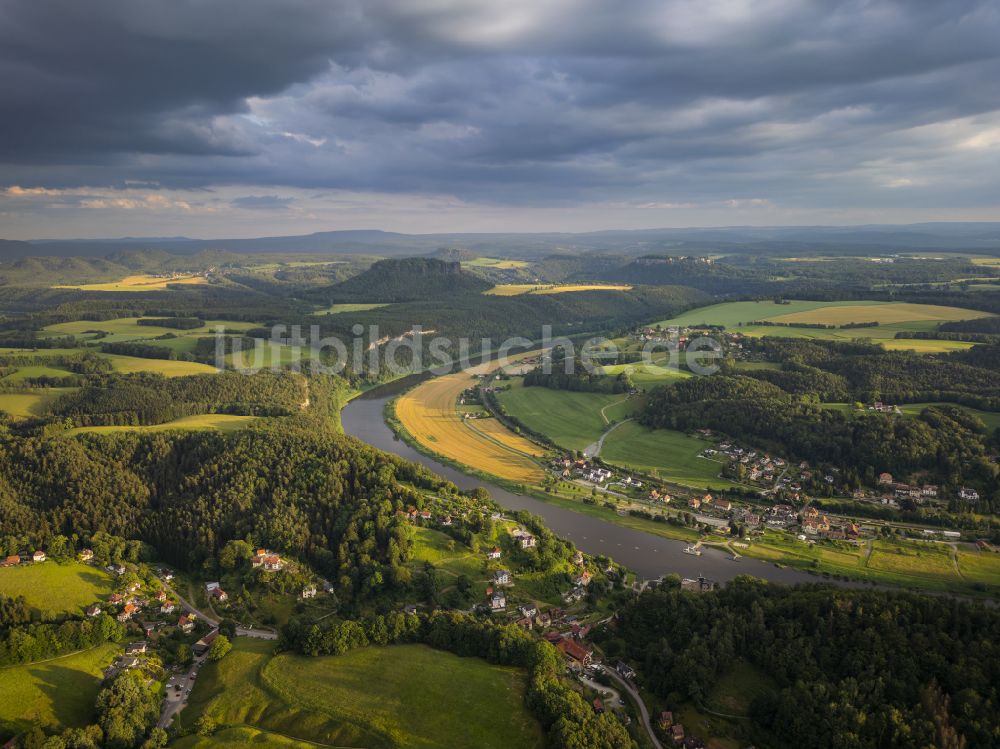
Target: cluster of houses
x=884, y=408
x=815, y=523
x=569, y=468
x=267, y=560
x=757, y=467
x=892, y=491
x=14, y=559
x=134, y=657
x=698, y=585
x=426, y=516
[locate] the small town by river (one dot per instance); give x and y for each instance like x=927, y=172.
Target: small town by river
x=649, y=555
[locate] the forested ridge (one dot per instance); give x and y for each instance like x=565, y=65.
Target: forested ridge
x=852, y=668
x=149, y=398
x=325, y=498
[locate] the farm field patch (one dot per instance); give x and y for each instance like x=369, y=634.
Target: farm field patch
x=495, y=262
x=517, y=289
x=336, y=309
x=23, y=405
x=165, y=367
x=428, y=413
x=139, y=283
x=893, y=318
x=128, y=328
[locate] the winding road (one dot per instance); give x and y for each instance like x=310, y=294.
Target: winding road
x=637, y=699
x=594, y=449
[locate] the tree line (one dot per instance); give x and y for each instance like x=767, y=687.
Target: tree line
x=849, y=668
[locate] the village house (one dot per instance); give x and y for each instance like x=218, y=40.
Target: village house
x=135, y=648
x=527, y=541
x=266, y=559
x=11, y=560
x=574, y=595
x=575, y=651
x=624, y=670
x=694, y=503
x=498, y=600
x=501, y=577
x=308, y=592
x=93, y=610
x=583, y=579
x=885, y=478
x=529, y=610
x=701, y=585
x=677, y=733
x=160, y=595
x=185, y=623
x=127, y=612
x=201, y=647
x=116, y=569
x=543, y=620
x=168, y=607
x=220, y=595
x=116, y=598
x=493, y=553
x=964, y=493
x=211, y=587
x=666, y=720
x=39, y=556
x=815, y=526
x=86, y=555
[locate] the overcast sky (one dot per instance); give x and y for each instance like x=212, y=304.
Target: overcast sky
x=246, y=117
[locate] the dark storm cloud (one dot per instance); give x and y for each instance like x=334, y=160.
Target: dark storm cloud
x=547, y=101
x=263, y=203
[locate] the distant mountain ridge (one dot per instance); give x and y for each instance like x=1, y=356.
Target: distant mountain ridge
x=981, y=237
x=405, y=280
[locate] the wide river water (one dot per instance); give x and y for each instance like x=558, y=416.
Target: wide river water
x=648, y=555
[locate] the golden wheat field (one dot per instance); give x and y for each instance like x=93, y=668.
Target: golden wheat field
x=517, y=289
x=495, y=430
x=138, y=283
x=428, y=413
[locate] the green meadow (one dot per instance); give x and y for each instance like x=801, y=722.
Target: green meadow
x=56, y=588
x=665, y=453
x=570, y=419
x=128, y=329
x=57, y=693
x=196, y=423
x=26, y=403
x=398, y=696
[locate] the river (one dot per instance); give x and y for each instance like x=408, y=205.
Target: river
x=649, y=555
